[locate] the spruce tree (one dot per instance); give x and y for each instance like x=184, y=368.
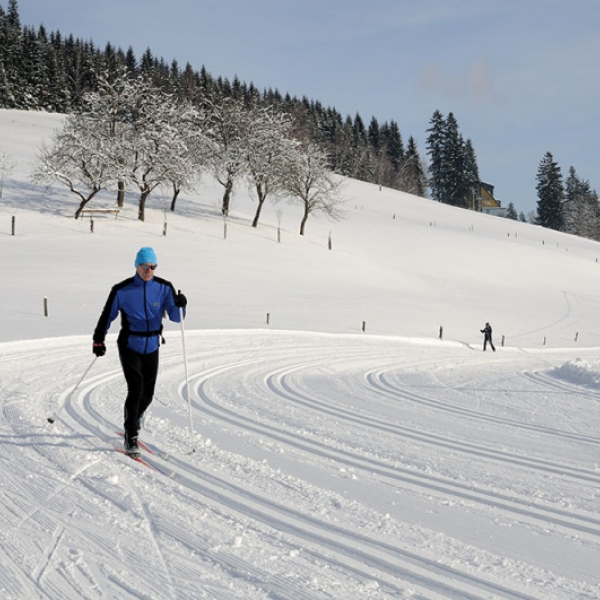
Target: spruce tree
x=511, y=212
x=435, y=150
x=472, y=181
x=414, y=180
x=550, y=193
x=581, y=210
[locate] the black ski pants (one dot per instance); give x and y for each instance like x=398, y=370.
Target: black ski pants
x=140, y=372
x=486, y=339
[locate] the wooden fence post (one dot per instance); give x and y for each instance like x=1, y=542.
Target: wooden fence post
x=364, y=326
x=441, y=331
x=45, y=306
x=14, y=224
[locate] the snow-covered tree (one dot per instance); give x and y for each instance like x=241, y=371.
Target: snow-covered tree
x=156, y=147
x=313, y=184
x=228, y=125
x=149, y=133
x=7, y=164
x=581, y=210
x=269, y=151
x=76, y=158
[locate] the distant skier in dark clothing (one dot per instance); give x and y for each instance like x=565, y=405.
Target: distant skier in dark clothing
x=142, y=301
x=487, y=336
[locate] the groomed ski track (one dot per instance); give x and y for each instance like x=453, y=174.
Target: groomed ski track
x=322, y=466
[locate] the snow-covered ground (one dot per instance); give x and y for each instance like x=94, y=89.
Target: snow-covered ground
x=326, y=462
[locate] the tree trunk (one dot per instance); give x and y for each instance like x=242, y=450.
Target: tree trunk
x=227, y=198
x=261, y=200
x=142, y=206
x=176, y=191
x=83, y=203
x=121, y=194
x=304, y=218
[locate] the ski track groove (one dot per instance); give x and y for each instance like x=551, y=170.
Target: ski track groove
x=152, y=531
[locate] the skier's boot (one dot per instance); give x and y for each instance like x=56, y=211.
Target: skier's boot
x=131, y=445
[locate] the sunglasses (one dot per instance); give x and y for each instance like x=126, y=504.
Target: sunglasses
x=148, y=267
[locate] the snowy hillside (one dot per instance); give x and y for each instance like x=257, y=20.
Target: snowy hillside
x=325, y=462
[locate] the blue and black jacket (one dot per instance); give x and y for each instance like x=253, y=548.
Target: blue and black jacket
x=142, y=305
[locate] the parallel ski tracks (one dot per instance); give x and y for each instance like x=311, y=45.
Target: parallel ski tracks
x=379, y=382
x=276, y=382
x=390, y=566
x=377, y=559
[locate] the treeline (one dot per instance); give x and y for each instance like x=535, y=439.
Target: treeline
x=41, y=70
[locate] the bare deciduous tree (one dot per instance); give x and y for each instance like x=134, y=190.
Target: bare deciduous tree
x=76, y=158
x=311, y=182
x=7, y=164
x=269, y=149
x=228, y=124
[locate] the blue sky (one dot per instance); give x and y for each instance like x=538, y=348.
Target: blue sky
x=521, y=76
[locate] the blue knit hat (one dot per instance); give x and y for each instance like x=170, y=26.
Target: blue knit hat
x=145, y=255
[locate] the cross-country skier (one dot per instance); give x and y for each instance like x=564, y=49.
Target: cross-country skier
x=487, y=336
x=142, y=301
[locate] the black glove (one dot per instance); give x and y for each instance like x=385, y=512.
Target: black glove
x=180, y=300
x=99, y=349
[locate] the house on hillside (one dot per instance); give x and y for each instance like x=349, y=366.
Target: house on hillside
x=487, y=203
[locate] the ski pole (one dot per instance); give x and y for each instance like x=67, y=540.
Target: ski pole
x=187, y=379
x=68, y=397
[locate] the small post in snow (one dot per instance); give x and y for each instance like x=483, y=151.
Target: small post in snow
x=14, y=224
x=441, y=331
x=576, y=336
x=279, y=214
x=329, y=243
x=502, y=343
x=364, y=326
x=268, y=318
x=45, y=306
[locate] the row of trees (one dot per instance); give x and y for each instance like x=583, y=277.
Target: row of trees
x=130, y=134
x=570, y=205
x=48, y=71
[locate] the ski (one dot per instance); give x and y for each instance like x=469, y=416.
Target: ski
x=143, y=446
x=135, y=457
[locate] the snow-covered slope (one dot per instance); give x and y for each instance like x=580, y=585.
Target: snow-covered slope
x=325, y=462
